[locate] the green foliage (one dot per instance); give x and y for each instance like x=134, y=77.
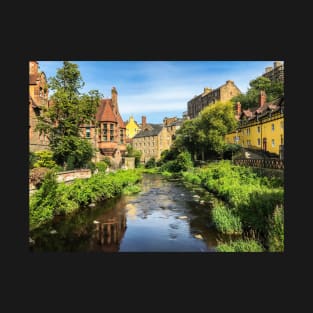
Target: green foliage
x=276, y=230
x=55, y=199
x=44, y=159
x=226, y=221
x=37, y=175
x=150, y=163
x=182, y=163
x=131, y=152
x=91, y=165
x=128, y=190
x=273, y=91
x=204, y=135
x=240, y=246
x=61, y=121
x=230, y=150
x=102, y=166
x=73, y=151
x=32, y=159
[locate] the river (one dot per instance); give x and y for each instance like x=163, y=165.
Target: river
x=166, y=216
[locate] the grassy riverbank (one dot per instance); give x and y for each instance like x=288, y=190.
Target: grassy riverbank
x=54, y=198
x=253, y=205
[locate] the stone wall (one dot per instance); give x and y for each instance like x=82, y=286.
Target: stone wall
x=66, y=177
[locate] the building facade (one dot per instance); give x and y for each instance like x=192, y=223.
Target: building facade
x=38, y=99
x=108, y=134
x=155, y=138
x=261, y=128
x=209, y=96
x=132, y=128
x=275, y=73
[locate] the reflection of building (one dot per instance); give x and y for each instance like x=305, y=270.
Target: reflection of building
x=209, y=96
x=261, y=127
x=155, y=138
x=38, y=99
x=108, y=233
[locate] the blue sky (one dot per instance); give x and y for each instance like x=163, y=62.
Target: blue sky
x=159, y=89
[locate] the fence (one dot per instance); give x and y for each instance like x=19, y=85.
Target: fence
x=275, y=164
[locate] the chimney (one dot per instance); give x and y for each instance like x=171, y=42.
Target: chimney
x=143, y=122
x=238, y=108
x=262, y=98
x=114, y=100
x=277, y=64
x=33, y=67
x=268, y=69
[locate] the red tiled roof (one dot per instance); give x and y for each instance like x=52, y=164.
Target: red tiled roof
x=120, y=121
x=105, y=112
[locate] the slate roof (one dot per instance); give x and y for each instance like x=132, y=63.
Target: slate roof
x=153, y=130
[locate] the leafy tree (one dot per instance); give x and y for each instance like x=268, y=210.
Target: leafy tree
x=272, y=89
x=131, y=152
x=44, y=158
x=150, y=163
x=70, y=109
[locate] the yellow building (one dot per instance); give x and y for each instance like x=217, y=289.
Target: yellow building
x=261, y=128
x=132, y=128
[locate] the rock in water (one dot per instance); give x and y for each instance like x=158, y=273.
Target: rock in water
x=53, y=231
x=31, y=241
x=92, y=205
x=198, y=236
x=183, y=217
x=96, y=222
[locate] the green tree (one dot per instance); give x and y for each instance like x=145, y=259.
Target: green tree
x=215, y=121
x=272, y=89
x=131, y=152
x=70, y=109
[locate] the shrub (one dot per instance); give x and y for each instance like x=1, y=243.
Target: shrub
x=102, y=166
x=44, y=159
x=150, y=163
x=242, y=245
x=276, y=230
x=226, y=221
x=32, y=160
x=37, y=175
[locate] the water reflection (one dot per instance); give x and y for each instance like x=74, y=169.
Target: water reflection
x=165, y=216
x=108, y=233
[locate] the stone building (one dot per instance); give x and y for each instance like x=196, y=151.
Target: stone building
x=38, y=99
x=275, y=73
x=209, y=96
x=155, y=138
x=108, y=136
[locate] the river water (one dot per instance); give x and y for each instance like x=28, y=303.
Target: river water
x=166, y=216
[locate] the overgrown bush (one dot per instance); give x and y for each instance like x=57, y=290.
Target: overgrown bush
x=150, y=163
x=102, y=166
x=276, y=230
x=226, y=221
x=248, y=245
x=44, y=158
x=37, y=175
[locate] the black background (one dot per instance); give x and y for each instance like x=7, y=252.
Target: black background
x=158, y=281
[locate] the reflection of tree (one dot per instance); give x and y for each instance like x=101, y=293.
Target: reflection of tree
x=108, y=233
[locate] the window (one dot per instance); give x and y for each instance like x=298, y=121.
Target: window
x=273, y=143
x=259, y=129
x=111, y=132
x=273, y=127
x=105, y=132
x=259, y=141
x=87, y=132
x=121, y=136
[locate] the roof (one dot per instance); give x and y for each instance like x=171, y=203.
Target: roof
x=267, y=108
x=156, y=129
x=105, y=112
x=120, y=120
